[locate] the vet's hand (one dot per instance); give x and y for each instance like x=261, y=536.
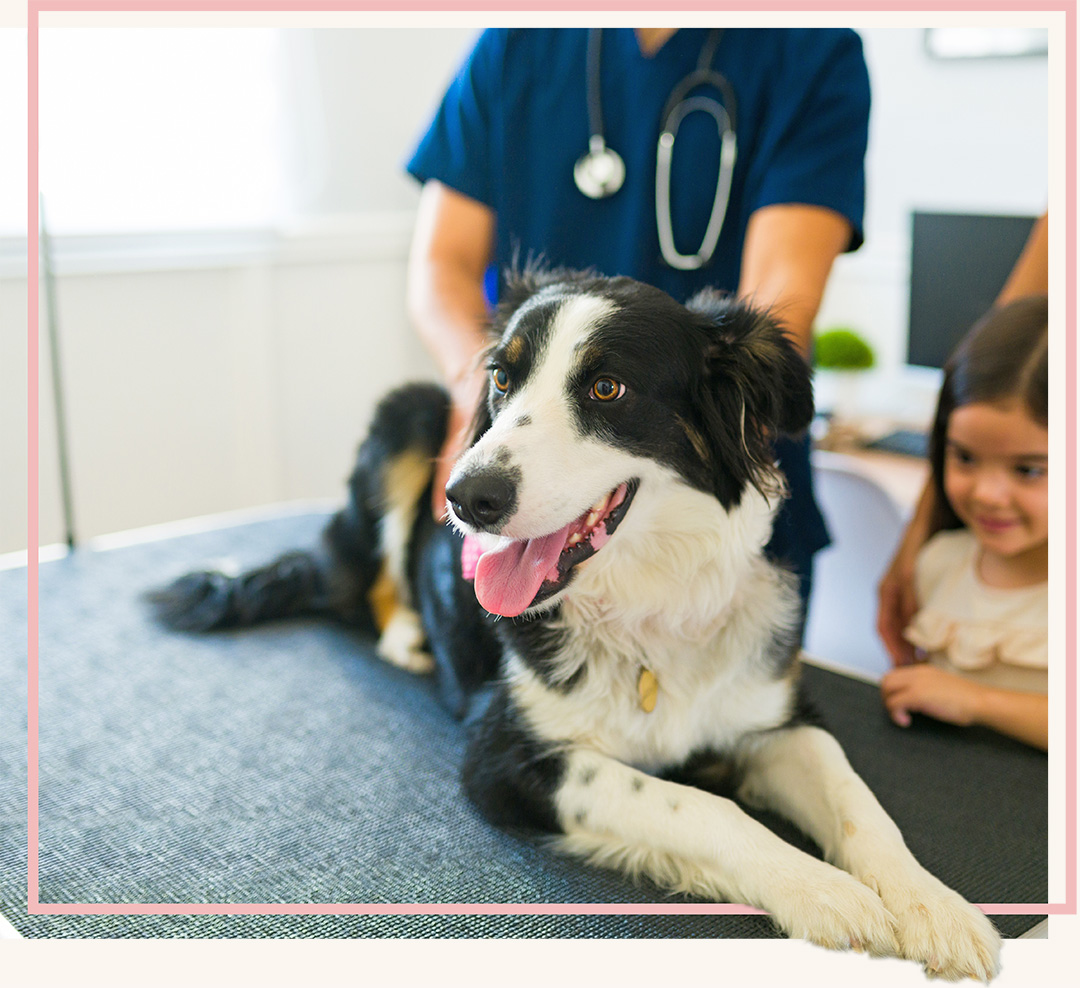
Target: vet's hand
x=925, y=689
x=463, y=403
x=896, y=607
x=452, y=448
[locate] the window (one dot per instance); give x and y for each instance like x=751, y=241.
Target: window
x=158, y=129
x=13, y=127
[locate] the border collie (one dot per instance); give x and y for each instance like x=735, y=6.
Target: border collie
x=619, y=490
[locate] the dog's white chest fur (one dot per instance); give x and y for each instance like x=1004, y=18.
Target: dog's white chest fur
x=710, y=657
x=701, y=703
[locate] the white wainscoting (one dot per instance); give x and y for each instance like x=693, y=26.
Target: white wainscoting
x=205, y=373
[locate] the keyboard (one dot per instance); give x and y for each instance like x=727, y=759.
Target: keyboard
x=906, y=442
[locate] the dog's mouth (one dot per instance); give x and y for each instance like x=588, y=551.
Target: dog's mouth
x=523, y=573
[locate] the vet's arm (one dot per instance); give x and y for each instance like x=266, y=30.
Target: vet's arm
x=1030, y=275
x=451, y=249
x=787, y=256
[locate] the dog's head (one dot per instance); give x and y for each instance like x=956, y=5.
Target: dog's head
x=600, y=392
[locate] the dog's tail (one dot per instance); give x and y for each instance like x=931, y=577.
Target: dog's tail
x=206, y=600
x=358, y=572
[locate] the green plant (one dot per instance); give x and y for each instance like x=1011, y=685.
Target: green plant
x=842, y=349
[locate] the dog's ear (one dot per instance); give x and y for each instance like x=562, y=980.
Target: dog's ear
x=757, y=385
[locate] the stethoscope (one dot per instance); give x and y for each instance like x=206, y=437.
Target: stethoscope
x=600, y=172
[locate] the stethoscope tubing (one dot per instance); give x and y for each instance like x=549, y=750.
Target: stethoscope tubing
x=665, y=148
x=600, y=172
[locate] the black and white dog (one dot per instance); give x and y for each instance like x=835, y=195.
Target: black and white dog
x=620, y=488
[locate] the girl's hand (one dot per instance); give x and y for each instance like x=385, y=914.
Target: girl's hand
x=925, y=689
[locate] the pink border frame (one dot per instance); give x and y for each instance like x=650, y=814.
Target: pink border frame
x=36, y=7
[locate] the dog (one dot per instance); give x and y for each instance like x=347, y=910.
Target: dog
x=639, y=652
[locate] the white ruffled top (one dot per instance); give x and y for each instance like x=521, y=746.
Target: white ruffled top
x=995, y=636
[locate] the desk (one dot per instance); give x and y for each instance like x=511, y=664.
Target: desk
x=287, y=764
x=903, y=477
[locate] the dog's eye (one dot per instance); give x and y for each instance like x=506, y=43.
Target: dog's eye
x=500, y=379
x=605, y=389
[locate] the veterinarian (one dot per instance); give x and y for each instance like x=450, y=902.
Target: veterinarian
x=738, y=165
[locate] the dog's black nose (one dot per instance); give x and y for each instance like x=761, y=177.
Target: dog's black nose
x=484, y=499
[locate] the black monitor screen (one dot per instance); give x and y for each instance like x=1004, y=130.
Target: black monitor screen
x=959, y=264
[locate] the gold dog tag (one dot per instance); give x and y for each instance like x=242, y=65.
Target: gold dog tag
x=647, y=688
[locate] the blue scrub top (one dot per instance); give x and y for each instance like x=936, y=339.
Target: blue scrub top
x=515, y=120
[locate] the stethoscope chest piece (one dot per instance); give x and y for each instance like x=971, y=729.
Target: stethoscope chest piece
x=599, y=172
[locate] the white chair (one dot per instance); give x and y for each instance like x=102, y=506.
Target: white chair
x=866, y=525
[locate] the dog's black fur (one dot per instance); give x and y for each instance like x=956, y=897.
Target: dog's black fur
x=701, y=374
x=685, y=456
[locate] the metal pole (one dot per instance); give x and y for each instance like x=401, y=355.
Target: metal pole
x=53, y=328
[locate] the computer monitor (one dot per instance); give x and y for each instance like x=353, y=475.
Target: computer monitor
x=959, y=264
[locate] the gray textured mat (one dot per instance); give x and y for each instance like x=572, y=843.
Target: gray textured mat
x=287, y=765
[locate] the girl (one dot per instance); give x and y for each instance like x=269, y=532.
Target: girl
x=980, y=635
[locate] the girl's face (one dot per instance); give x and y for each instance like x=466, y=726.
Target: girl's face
x=996, y=476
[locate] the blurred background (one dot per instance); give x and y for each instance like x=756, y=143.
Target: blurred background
x=229, y=221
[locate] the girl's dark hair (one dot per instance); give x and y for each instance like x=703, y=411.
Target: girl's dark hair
x=1003, y=356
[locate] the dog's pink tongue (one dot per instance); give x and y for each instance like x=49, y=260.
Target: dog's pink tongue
x=507, y=580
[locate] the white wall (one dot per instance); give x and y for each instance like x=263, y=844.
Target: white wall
x=208, y=372
x=964, y=135
x=356, y=102
x=13, y=413
x=207, y=381
x=949, y=136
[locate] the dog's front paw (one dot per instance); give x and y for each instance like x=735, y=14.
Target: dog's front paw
x=836, y=911
x=940, y=929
